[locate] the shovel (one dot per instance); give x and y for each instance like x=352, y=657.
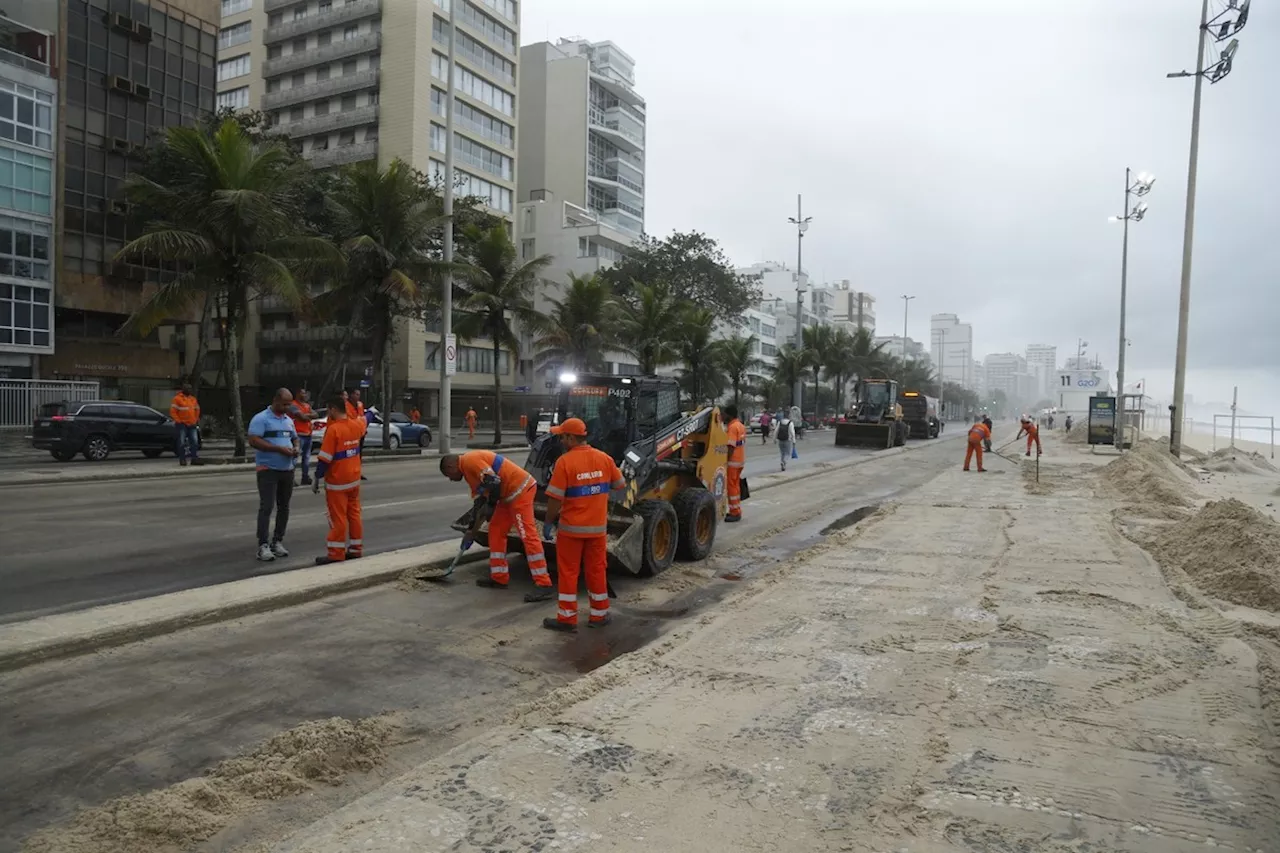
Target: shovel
x=436, y=575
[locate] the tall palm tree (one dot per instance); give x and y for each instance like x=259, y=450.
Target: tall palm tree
x=228, y=215
x=649, y=325
x=697, y=348
x=916, y=375
x=385, y=220
x=582, y=326
x=736, y=357
x=770, y=392
x=840, y=364
x=495, y=297
x=819, y=348
x=790, y=367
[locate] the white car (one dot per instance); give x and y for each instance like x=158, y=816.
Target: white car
x=372, y=439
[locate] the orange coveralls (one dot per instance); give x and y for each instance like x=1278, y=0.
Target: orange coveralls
x=1033, y=435
x=339, y=467
x=514, y=507
x=581, y=481
x=737, y=461
x=471, y=423
x=184, y=409
x=978, y=433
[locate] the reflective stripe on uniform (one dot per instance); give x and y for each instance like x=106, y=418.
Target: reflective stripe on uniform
x=567, y=614
x=554, y=492
x=335, y=544
x=325, y=456
x=537, y=560
x=601, y=612
x=599, y=596
x=528, y=481
x=567, y=597
x=341, y=487
x=573, y=528
x=737, y=464
x=355, y=541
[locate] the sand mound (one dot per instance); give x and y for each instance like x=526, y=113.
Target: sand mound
x=1231, y=550
x=182, y=815
x=1229, y=460
x=1149, y=475
x=1079, y=432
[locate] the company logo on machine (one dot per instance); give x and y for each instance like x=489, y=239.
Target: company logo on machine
x=718, y=484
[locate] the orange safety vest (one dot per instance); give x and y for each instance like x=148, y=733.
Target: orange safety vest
x=184, y=409
x=471, y=416
x=978, y=433
x=415, y=416
x=582, y=480
x=475, y=464
x=1031, y=429
x=340, y=454
x=355, y=412
x=302, y=425
x=737, y=444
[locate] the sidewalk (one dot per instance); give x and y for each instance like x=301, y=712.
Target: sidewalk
x=983, y=667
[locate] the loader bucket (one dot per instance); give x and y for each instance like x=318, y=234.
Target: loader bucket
x=864, y=435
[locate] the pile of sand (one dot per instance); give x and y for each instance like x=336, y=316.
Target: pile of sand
x=1148, y=476
x=1230, y=460
x=182, y=815
x=1079, y=432
x=1229, y=549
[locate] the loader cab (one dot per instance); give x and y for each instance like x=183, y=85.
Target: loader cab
x=876, y=397
x=619, y=410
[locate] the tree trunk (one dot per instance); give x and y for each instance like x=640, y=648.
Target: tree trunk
x=202, y=345
x=381, y=362
x=736, y=386
x=497, y=392
x=232, y=361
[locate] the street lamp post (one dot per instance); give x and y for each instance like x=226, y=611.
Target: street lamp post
x=802, y=225
x=1132, y=187
x=446, y=300
x=1222, y=26
x=906, y=303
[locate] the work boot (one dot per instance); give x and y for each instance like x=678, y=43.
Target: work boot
x=354, y=555
x=326, y=560
x=730, y=519
x=542, y=593
x=490, y=583
x=600, y=623
x=1028, y=452
x=182, y=463
x=982, y=470
x=556, y=625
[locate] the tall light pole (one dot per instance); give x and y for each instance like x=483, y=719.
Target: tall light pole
x=1222, y=26
x=1132, y=187
x=446, y=300
x=906, y=303
x=802, y=225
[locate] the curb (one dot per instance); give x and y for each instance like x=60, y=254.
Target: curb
x=67, y=634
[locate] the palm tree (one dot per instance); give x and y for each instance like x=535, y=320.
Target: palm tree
x=866, y=357
x=495, y=297
x=790, y=367
x=649, y=325
x=736, y=357
x=697, y=349
x=840, y=364
x=228, y=215
x=582, y=326
x=819, y=347
x=385, y=220
x=916, y=375
x=770, y=392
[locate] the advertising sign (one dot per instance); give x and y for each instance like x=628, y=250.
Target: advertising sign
x=1102, y=420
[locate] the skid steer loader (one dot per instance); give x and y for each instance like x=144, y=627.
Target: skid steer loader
x=876, y=420
x=674, y=463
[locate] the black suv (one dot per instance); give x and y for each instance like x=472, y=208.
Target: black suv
x=97, y=427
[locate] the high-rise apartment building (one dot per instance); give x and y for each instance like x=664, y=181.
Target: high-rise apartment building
x=952, y=345
x=1004, y=372
x=1045, y=356
x=28, y=146
x=840, y=304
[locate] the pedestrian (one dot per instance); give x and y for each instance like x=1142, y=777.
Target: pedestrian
x=986, y=421
x=338, y=466
x=471, y=422
x=1067, y=423
x=978, y=433
x=737, y=461
x=1050, y=421
x=509, y=491
x=578, y=503
x=185, y=411
x=785, y=430
x=766, y=420
x=356, y=412
x=415, y=416
x=303, y=415
x=797, y=420
x=275, y=443
x=1033, y=435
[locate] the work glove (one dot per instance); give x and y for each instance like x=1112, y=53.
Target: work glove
x=315, y=487
x=549, y=530
x=467, y=542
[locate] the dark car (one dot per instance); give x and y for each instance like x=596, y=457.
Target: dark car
x=411, y=433
x=97, y=428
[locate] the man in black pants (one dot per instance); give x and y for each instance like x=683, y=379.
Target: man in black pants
x=275, y=444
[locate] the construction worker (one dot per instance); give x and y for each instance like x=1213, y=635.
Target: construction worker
x=737, y=461
x=578, y=502
x=471, y=422
x=415, y=416
x=338, y=466
x=978, y=433
x=185, y=411
x=303, y=415
x=509, y=491
x=1033, y=434
x=986, y=420
x=356, y=412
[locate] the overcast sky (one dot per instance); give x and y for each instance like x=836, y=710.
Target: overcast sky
x=969, y=152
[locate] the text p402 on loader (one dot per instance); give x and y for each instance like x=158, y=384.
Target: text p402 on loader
x=876, y=419
x=675, y=466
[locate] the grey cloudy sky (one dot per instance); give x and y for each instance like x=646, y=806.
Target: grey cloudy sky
x=969, y=152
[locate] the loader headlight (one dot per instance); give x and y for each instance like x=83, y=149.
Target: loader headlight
x=568, y=378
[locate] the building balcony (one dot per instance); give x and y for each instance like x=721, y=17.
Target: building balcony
x=342, y=120
x=343, y=154
x=290, y=371
x=613, y=83
x=624, y=139
x=24, y=47
x=617, y=217
x=316, y=56
x=307, y=336
x=615, y=178
x=273, y=5
x=336, y=14
x=322, y=89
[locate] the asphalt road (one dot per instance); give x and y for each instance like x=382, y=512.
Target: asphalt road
x=447, y=660
x=76, y=545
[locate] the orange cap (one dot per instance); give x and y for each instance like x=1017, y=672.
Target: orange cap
x=572, y=426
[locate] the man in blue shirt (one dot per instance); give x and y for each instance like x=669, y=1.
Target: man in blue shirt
x=275, y=443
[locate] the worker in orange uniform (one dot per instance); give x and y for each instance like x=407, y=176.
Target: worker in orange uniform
x=302, y=414
x=578, y=501
x=415, y=416
x=509, y=491
x=471, y=423
x=185, y=411
x=978, y=433
x=338, y=467
x=355, y=413
x=1033, y=434
x=737, y=461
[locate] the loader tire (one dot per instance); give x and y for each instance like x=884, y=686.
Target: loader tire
x=660, y=537
x=698, y=515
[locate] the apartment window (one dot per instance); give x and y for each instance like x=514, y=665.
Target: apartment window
x=234, y=99
x=321, y=108
x=322, y=73
x=299, y=12
x=24, y=248
x=505, y=8
x=371, y=133
x=26, y=115
x=273, y=85
x=299, y=79
x=26, y=182
x=234, y=35
x=348, y=103
x=275, y=19
x=24, y=315
x=474, y=51
x=768, y=349
x=485, y=159
x=275, y=52
x=325, y=6
x=470, y=359
x=347, y=137
x=324, y=39
x=492, y=30
x=497, y=197
x=320, y=144
x=299, y=45
x=295, y=114
x=769, y=331
x=526, y=249
x=349, y=67
x=236, y=66
x=235, y=7
x=351, y=31
x=473, y=86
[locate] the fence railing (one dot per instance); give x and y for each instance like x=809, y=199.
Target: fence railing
x=20, y=399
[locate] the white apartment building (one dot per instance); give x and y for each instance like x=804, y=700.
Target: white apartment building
x=1045, y=356
x=893, y=346
x=777, y=280
x=1001, y=372
x=840, y=304
x=951, y=343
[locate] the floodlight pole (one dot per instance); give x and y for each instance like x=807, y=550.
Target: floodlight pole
x=802, y=224
x=1124, y=289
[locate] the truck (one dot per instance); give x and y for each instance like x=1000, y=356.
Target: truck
x=920, y=412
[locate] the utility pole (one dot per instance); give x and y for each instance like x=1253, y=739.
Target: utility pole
x=446, y=303
x=802, y=225
x=906, y=303
x=1124, y=289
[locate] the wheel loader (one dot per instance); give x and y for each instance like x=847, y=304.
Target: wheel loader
x=876, y=419
x=675, y=465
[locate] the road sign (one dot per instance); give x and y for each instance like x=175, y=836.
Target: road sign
x=450, y=355
x=522, y=389
x=365, y=383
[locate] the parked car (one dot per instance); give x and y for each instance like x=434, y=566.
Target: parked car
x=97, y=428
x=372, y=439
x=411, y=433
x=753, y=425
